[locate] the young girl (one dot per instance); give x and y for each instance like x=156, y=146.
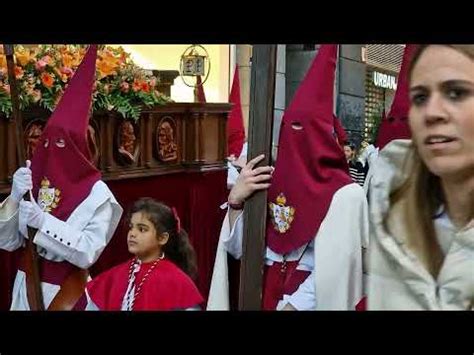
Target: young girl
x=159, y=277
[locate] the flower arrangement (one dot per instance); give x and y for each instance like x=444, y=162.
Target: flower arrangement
x=43, y=72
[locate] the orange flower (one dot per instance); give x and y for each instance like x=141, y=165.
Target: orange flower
x=18, y=72
x=105, y=68
x=136, y=86
x=107, y=63
x=68, y=60
x=145, y=87
x=47, y=80
x=108, y=56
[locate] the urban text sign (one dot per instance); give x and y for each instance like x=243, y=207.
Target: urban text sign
x=385, y=81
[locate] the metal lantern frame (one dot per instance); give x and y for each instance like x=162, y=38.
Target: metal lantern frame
x=192, y=52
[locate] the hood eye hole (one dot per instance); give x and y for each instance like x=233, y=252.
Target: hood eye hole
x=296, y=126
x=46, y=143
x=60, y=143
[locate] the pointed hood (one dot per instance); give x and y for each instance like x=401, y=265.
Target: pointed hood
x=63, y=174
x=311, y=165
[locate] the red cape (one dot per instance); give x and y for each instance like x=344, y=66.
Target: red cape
x=167, y=288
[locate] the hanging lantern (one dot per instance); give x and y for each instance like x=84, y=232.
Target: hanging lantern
x=195, y=62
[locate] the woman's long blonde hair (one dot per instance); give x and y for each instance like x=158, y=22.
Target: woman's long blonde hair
x=422, y=195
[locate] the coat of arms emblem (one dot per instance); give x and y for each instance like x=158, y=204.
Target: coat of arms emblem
x=48, y=197
x=281, y=215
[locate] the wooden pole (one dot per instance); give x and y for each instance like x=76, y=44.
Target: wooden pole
x=262, y=89
x=35, y=294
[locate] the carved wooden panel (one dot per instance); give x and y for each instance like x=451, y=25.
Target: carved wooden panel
x=167, y=139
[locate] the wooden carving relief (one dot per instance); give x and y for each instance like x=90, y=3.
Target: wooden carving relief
x=128, y=144
x=166, y=139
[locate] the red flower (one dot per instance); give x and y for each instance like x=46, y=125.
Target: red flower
x=145, y=87
x=47, y=80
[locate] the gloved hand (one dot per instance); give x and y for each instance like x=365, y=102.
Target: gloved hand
x=22, y=182
x=30, y=215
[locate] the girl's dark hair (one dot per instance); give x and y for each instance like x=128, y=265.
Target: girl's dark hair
x=178, y=248
x=350, y=145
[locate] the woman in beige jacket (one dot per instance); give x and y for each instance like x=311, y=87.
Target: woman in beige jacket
x=422, y=192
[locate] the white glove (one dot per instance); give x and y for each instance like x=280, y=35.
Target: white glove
x=22, y=182
x=30, y=215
